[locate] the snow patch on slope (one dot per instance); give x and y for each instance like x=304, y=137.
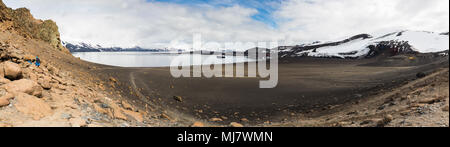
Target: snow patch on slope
x=352, y=49
x=422, y=42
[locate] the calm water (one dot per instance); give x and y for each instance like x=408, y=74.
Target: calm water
x=149, y=59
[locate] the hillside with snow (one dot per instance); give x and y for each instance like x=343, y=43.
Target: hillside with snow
x=366, y=45
x=85, y=47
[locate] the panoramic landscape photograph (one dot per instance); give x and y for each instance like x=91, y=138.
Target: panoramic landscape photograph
x=224, y=64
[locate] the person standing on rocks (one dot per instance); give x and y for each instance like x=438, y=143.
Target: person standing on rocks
x=38, y=61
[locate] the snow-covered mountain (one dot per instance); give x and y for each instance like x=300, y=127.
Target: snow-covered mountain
x=365, y=45
x=84, y=47
x=359, y=46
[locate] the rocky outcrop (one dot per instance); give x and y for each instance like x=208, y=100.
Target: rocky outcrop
x=391, y=47
x=11, y=70
x=24, y=86
x=26, y=25
x=32, y=106
x=52, y=94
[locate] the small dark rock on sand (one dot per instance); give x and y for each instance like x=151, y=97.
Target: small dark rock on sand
x=178, y=98
x=421, y=75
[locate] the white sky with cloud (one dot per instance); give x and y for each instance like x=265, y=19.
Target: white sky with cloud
x=129, y=23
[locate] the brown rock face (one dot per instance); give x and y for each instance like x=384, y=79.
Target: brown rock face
x=12, y=71
x=32, y=106
x=24, y=23
x=24, y=86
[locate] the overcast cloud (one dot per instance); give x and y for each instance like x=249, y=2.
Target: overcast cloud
x=153, y=24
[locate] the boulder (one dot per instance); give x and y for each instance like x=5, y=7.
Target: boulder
x=198, y=124
x=421, y=75
x=244, y=120
x=32, y=106
x=24, y=86
x=385, y=121
x=236, y=125
x=215, y=120
x=12, y=70
x=178, y=98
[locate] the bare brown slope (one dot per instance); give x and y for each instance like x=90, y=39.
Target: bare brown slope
x=63, y=91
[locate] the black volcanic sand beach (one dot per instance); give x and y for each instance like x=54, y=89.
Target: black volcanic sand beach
x=307, y=86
